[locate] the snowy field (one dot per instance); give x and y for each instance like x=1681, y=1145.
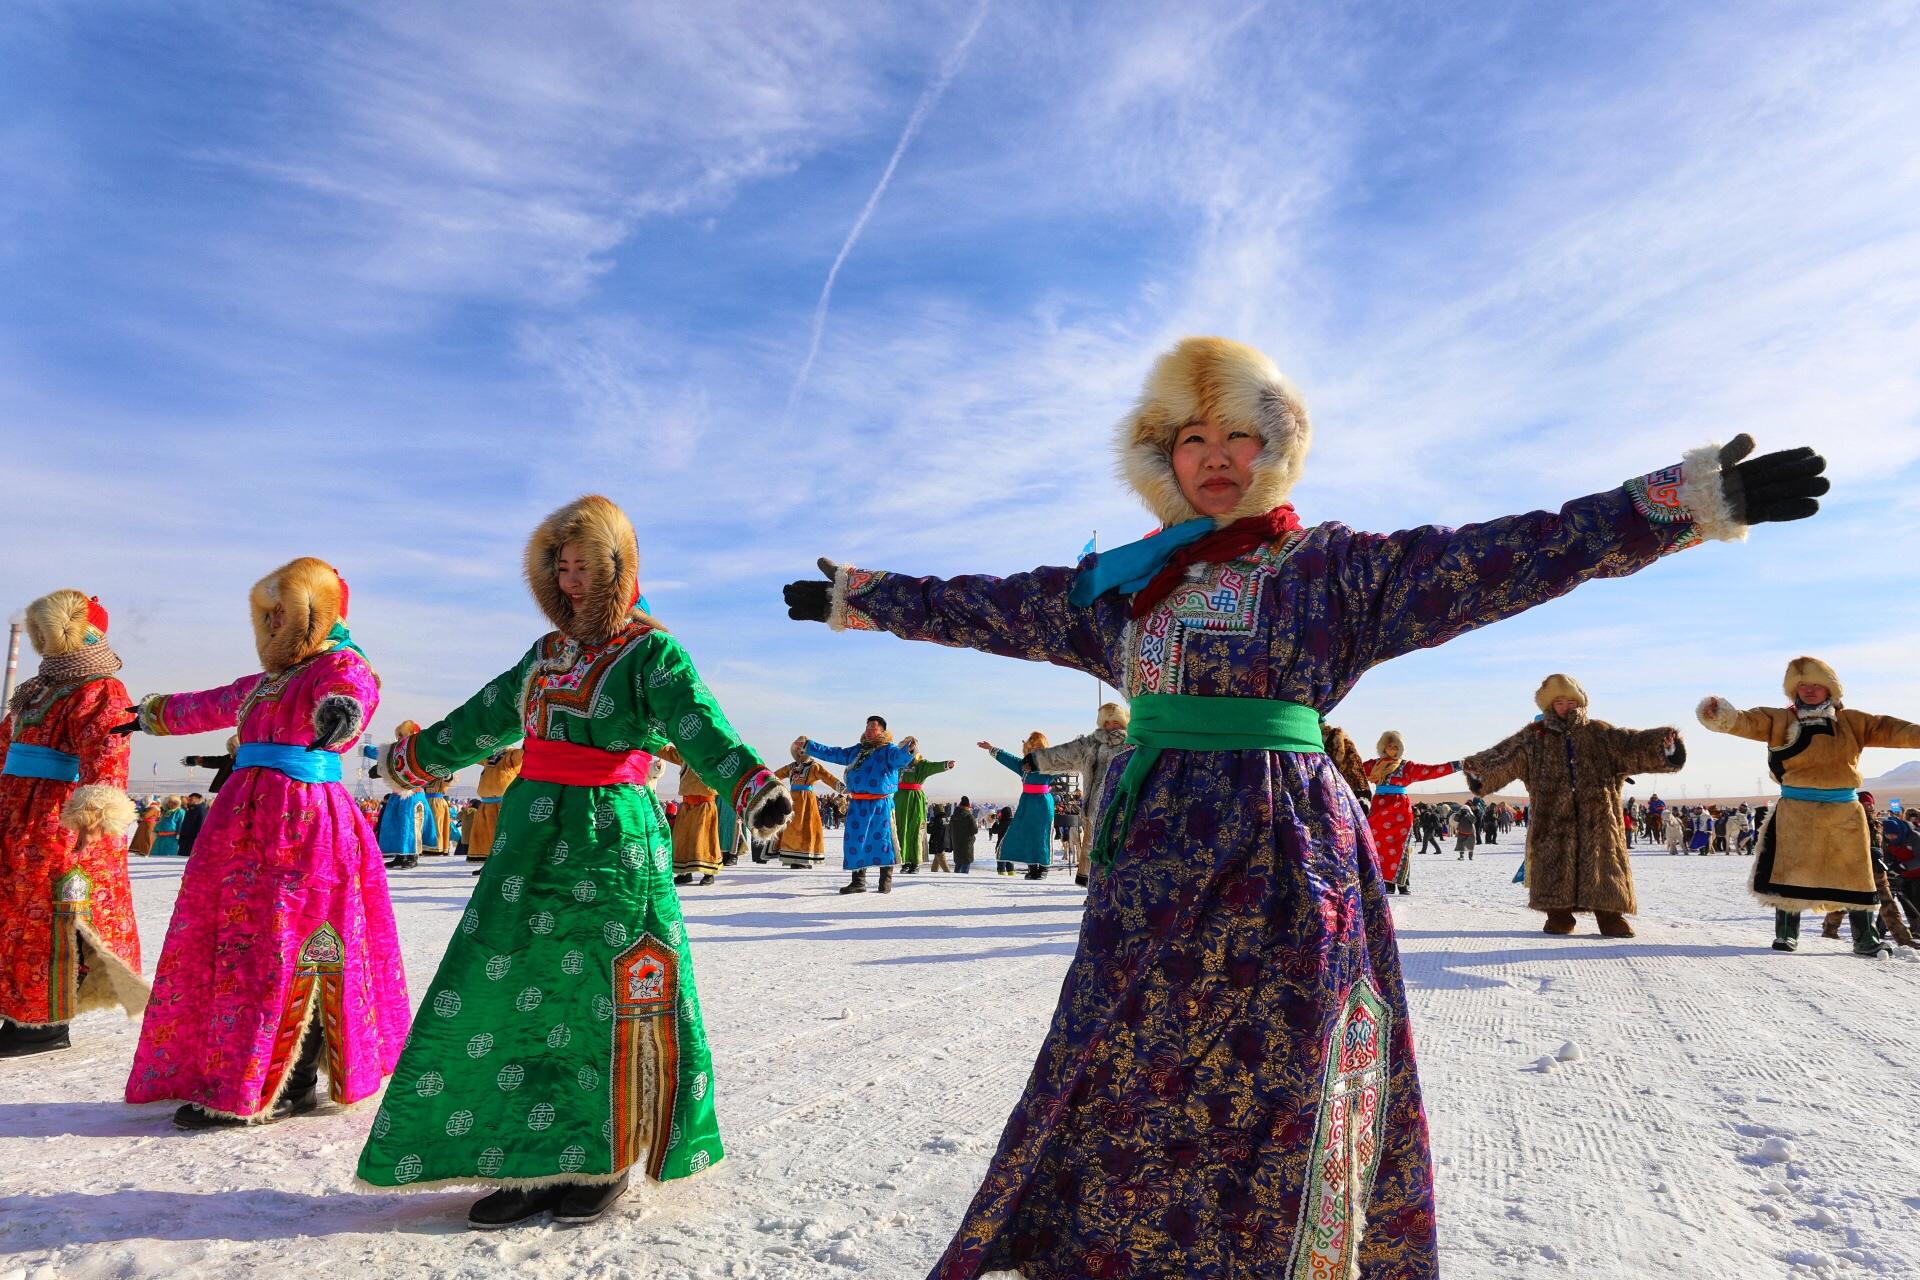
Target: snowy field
x=868, y=1050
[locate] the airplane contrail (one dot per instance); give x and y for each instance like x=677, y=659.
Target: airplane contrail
x=921, y=110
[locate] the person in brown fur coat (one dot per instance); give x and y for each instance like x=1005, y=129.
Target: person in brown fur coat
x=1346, y=758
x=1573, y=768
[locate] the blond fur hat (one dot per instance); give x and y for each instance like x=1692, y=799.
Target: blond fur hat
x=1559, y=686
x=1811, y=671
x=1232, y=384
x=604, y=535
x=1036, y=741
x=314, y=597
x=1113, y=711
x=1391, y=738
x=63, y=622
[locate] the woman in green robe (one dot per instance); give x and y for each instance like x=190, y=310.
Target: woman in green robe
x=910, y=807
x=561, y=1042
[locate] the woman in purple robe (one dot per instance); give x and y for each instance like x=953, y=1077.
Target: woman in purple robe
x=1228, y=1086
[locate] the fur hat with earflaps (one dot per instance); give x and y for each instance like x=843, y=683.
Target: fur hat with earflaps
x=603, y=534
x=1113, y=713
x=1232, y=384
x=63, y=622
x=313, y=596
x=1389, y=750
x=1559, y=686
x=1805, y=670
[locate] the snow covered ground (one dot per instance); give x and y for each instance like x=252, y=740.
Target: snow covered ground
x=868, y=1050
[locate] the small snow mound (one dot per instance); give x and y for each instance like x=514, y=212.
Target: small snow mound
x=1807, y=1258
x=1826, y=1217
x=1570, y=1052
x=1545, y=1063
x=1776, y=1149
x=18, y=1273
x=1771, y=1210
x=1776, y=1188
x=848, y=1015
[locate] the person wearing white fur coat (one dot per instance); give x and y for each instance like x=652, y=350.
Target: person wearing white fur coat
x=1090, y=755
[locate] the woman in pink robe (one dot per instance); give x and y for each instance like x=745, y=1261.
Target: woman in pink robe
x=282, y=947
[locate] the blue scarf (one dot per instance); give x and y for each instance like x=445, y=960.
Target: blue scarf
x=1131, y=567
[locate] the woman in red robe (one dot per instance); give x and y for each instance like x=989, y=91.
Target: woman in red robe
x=1391, y=816
x=67, y=937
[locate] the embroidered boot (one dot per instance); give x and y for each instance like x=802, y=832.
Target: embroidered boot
x=886, y=879
x=856, y=885
x=1786, y=930
x=17, y=1041
x=1866, y=935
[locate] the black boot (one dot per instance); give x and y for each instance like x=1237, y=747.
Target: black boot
x=297, y=1099
x=588, y=1201
x=856, y=885
x=886, y=879
x=1786, y=930
x=511, y=1206
x=17, y=1041
x=685, y=877
x=707, y=879
x=1081, y=881
x=1866, y=934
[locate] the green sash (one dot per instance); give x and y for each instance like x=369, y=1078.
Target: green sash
x=1187, y=722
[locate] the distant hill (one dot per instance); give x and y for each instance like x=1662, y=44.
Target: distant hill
x=1906, y=775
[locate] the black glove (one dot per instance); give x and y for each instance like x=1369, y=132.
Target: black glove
x=131, y=726
x=1473, y=782
x=1774, y=486
x=811, y=601
x=1027, y=764
x=335, y=721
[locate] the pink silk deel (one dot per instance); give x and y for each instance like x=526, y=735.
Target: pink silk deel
x=283, y=915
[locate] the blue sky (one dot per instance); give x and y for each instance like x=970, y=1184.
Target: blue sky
x=385, y=283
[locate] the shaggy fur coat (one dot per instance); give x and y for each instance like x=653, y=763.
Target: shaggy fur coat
x=1573, y=770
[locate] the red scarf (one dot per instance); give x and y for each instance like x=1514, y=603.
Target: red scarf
x=1217, y=547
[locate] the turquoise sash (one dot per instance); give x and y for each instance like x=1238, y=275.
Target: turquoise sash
x=26, y=761
x=297, y=763
x=1821, y=795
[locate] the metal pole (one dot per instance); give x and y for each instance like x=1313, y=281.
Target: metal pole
x=13, y=662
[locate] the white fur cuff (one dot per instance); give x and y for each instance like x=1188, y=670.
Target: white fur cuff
x=1717, y=714
x=390, y=775
x=757, y=805
x=98, y=809
x=1703, y=494
x=837, y=609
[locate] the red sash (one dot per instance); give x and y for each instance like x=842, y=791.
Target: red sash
x=1034, y=788
x=911, y=786
x=576, y=766
x=861, y=795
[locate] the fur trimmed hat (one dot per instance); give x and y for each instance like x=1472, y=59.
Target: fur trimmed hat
x=1559, y=686
x=604, y=535
x=1232, y=384
x=65, y=621
x=1811, y=671
x=1391, y=738
x=313, y=596
x=1113, y=711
